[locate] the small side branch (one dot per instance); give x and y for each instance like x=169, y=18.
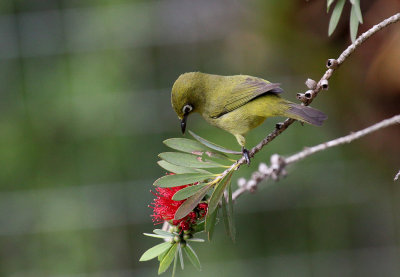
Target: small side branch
x=397, y=176
x=346, y=139
x=314, y=89
x=279, y=163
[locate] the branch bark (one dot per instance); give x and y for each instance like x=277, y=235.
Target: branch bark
x=279, y=163
x=314, y=89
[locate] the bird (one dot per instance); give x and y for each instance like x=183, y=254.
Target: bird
x=236, y=104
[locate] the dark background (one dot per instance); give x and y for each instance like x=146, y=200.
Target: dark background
x=85, y=106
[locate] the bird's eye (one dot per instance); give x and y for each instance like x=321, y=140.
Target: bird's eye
x=187, y=109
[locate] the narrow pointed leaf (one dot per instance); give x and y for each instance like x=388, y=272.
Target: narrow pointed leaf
x=188, y=160
x=181, y=179
x=160, y=257
x=230, y=214
x=191, y=203
x=187, y=192
x=198, y=228
x=167, y=259
x=185, y=145
x=218, y=192
x=181, y=257
x=357, y=9
x=329, y=3
x=163, y=233
x=192, y=257
x=211, y=220
x=337, y=12
x=225, y=216
x=195, y=240
x=176, y=168
x=175, y=262
x=155, y=251
x=353, y=24
x=213, y=145
x=155, y=236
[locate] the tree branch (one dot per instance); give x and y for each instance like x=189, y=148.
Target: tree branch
x=279, y=163
x=314, y=89
x=397, y=176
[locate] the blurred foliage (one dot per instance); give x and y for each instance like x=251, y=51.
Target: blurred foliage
x=84, y=108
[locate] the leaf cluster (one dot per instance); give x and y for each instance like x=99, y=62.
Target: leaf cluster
x=355, y=16
x=198, y=164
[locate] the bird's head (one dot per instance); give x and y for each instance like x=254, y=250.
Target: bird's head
x=187, y=96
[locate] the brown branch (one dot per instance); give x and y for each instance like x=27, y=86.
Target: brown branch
x=314, y=89
x=279, y=163
x=397, y=176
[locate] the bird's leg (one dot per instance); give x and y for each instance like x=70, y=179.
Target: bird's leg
x=246, y=155
x=242, y=141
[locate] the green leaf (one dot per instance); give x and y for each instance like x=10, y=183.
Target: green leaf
x=214, y=146
x=187, y=192
x=230, y=214
x=186, y=145
x=167, y=259
x=199, y=227
x=155, y=236
x=211, y=220
x=329, y=3
x=218, y=192
x=357, y=10
x=181, y=179
x=155, y=251
x=227, y=212
x=181, y=257
x=337, y=12
x=160, y=257
x=353, y=24
x=192, y=147
x=163, y=233
x=175, y=261
x=191, y=203
x=225, y=216
x=176, y=168
x=188, y=160
x=192, y=257
x=195, y=240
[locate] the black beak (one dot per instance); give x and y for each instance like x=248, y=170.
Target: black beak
x=183, y=123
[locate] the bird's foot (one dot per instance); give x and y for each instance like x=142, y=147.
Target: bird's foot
x=246, y=155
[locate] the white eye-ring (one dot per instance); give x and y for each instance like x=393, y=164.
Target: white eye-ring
x=187, y=109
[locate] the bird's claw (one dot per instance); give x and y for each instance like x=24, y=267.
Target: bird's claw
x=246, y=155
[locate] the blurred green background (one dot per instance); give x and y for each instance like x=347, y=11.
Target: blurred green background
x=84, y=108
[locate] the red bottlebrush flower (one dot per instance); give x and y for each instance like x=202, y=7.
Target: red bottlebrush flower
x=164, y=208
x=184, y=225
x=203, y=206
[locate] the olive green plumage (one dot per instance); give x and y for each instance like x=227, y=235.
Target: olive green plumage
x=235, y=104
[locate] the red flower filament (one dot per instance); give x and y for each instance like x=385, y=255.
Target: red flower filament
x=164, y=208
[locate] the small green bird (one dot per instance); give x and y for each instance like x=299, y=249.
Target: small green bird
x=236, y=103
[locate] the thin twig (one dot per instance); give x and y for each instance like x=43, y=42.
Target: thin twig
x=397, y=176
x=278, y=163
x=315, y=88
x=346, y=139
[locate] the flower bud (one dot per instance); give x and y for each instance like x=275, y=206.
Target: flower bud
x=332, y=64
x=177, y=239
x=311, y=84
x=184, y=225
x=324, y=84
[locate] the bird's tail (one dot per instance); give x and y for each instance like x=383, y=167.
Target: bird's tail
x=305, y=114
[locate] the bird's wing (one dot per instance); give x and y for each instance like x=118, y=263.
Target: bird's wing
x=246, y=91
